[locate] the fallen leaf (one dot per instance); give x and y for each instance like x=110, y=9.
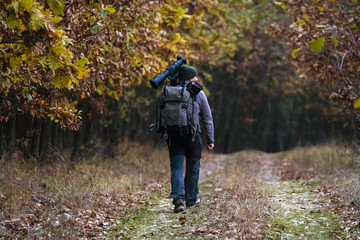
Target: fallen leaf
x=183, y=220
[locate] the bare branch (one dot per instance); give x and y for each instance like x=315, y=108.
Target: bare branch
x=338, y=14
x=353, y=38
x=342, y=61
x=337, y=56
x=89, y=36
x=354, y=91
x=352, y=51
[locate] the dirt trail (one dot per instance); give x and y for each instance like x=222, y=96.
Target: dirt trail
x=300, y=208
x=157, y=221
x=214, y=164
x=269, y=169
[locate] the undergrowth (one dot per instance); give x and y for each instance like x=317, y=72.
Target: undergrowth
x=335, y=165
x=234, y=206
x=65, y=200
x=61, y=199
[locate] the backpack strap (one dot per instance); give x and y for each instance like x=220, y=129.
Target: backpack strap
x=164, y=90
x=193, y=94
x=182, y=90
x=169, y=140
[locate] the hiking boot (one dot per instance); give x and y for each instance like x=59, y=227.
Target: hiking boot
x=179, y=206
x=198, y=202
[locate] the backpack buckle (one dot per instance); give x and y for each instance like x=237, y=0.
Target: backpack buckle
x=152, y=127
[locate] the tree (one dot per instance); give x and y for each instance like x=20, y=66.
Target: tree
x=256, y=97
x=62, y=60
x=55, y=53
x=325, y=37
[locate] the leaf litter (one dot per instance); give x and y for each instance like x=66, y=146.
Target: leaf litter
x=159, y=222
x=238, y=204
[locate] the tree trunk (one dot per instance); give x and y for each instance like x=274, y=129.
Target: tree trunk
x=12, y=131
x=1, y=139
x=55, y=135
x=29, y=132
x=44, y=143
x=81, y=136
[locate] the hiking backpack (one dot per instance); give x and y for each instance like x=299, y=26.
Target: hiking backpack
x=175, y=110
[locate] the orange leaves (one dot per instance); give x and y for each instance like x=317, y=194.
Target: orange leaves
x=64, y=112
x=71, y=49
x=326, y=49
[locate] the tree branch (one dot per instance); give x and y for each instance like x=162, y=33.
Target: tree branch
x=352, y=51
x=354, y=91
x=342, y=61
x=89, y=36
x=11, y=41
x=338, y=14
x=353, y=38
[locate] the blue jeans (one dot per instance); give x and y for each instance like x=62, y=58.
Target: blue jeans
x=179, y=148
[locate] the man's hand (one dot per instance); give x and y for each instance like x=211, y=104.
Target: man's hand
x=210, y=146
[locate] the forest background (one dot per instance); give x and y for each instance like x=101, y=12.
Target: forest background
x=75, y=75
x=77, y=159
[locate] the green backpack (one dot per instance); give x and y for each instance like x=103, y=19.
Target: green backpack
x=175, y=110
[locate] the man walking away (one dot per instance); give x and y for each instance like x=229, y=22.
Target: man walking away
x=188, y=145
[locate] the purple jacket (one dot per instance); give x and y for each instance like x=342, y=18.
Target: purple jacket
x=202, y=113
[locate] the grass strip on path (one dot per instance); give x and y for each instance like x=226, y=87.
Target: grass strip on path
x=300, y=211
x=232, y=207
x=157, y=220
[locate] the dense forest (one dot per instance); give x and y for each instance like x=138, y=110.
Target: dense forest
x=75, y=75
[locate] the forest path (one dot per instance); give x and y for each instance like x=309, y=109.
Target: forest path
x=298, y=209
x=158, y=221
x=301, y=209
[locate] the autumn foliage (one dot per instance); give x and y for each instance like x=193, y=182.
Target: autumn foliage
x=55, y=53
x=325, y=37
x=88, y=63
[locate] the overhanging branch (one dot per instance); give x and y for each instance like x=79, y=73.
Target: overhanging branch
x=12, y=41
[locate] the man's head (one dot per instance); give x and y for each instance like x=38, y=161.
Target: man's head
x=187, y=72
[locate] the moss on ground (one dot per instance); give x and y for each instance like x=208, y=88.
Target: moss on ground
x=157, y=220
x=297, y=211
x=300, y=213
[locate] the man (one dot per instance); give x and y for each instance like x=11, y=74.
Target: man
x=189, y=146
